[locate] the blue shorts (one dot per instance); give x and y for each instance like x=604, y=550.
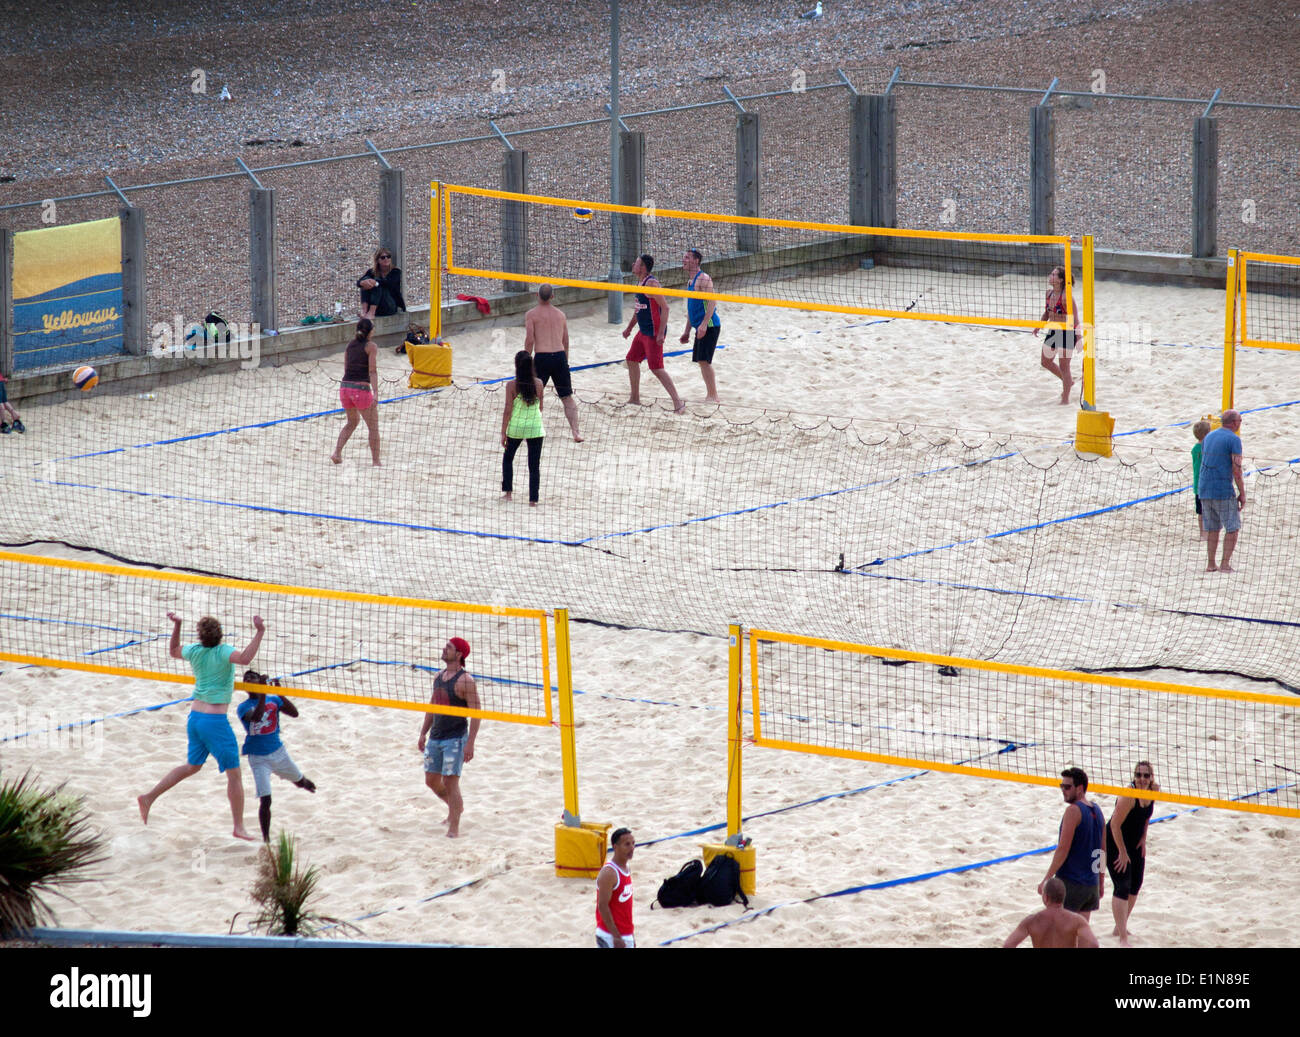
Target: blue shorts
x=211, y=733
x=445, y=756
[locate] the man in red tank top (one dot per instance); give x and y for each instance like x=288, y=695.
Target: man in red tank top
x=614, y=894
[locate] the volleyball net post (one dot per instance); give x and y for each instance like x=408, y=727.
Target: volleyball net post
x=1262, y=309
x=739, y=847
x=436, y=210
x=1232, y=295
x=580, y=846
x=1093, y=428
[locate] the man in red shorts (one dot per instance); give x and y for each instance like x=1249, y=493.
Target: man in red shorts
x=650, y=318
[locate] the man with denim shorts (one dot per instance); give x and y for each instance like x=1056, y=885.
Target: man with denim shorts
x=208, y=727
x=447, y=740
x=1220, y=468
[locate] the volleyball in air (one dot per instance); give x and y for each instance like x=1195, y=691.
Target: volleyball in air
x=85, y=378
x=583, y=215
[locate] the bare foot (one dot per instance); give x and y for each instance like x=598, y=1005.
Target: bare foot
x=635, y=401
x=1226, y=568
x=680, y=408
x=532, y=503
x=336, y=459
x=506, y=496
x=1211, y=568
x=241, y=833
x=711, y=399
x=144, y=806
x=1123, y=941
x=376, y=464
x=452, y=833
x=577, y=438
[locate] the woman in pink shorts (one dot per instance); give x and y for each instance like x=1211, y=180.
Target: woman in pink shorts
x=360, y=390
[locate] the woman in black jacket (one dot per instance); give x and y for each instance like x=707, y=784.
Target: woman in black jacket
x=381, y=288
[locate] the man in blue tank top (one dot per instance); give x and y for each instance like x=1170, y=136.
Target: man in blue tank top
x=1080, y=851
x=702, y=315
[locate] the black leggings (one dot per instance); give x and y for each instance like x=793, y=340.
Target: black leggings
x=534, y=466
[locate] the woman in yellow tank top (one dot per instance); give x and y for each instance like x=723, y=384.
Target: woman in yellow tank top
x=522, y=421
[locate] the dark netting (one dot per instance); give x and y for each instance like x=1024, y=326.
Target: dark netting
x=1259, y=180
x=327, y=232
x=197, y=263
x=805, y=150
x=965, y=544
x=1124, y=172
x=1001, y=724
x=962, y=160
x=880, y=274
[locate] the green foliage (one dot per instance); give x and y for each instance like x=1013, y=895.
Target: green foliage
x=45, y=841
x=282, y=892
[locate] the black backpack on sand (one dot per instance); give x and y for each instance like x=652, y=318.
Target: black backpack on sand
x=679, y=891
x=720, y=883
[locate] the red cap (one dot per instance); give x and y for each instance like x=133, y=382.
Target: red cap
x=461, y=645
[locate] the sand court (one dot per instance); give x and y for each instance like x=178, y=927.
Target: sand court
x=618, y=538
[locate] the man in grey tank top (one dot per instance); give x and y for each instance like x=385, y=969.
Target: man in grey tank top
x=450, y=744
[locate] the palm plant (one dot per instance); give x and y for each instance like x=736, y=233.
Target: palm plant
x=282, y=892
x=45, y=841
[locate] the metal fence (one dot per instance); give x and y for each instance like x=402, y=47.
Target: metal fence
x=959, y=157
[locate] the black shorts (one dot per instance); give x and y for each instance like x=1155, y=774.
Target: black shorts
x=1128, y=883
x=704, y=347
x=1080, y=896
x=1058, y=341
x=554, y=367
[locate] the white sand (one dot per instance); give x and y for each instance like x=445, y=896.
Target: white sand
x=651, y=735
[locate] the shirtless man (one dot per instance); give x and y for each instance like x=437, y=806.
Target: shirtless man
x=650, y=318
x=1053, y=926
x=546, y=336
x=702, y=315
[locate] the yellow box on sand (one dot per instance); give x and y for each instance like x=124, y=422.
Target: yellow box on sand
x=746, y=858
x=430, y=365
x=580, y=850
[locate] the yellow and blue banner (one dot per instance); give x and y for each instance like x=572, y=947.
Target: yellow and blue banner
x=67, y=294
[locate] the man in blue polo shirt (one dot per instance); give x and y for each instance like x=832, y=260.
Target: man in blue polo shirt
x=1220, y=469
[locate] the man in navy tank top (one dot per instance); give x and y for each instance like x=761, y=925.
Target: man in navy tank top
x=702, y=316
x=1080, y=852
x=650, y=318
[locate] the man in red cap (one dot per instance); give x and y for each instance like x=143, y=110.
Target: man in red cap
x=450, y=745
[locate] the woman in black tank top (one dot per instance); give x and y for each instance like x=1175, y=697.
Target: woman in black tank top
x=1126, y=847
x=360, y=390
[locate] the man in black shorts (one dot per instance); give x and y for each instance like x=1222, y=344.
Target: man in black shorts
x=702, y=315
x=546, y=336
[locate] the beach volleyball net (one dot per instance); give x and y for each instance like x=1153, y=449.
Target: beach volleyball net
x=336, y=645
x=518, y=241
x=1210, y=746
x=969, y=544
x=1262, y=309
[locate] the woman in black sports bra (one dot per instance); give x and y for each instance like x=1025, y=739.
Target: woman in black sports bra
x=1126, y=847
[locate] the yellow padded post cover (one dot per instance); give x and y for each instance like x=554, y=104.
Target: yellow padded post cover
x=1093, y=432
x=580, y=850
x=430, y=365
